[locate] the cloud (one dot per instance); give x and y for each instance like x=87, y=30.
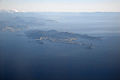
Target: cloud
x=46, y=6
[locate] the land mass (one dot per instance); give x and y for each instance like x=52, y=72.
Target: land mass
x=61, y=37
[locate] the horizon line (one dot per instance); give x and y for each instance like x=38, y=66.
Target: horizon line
x=14, y=10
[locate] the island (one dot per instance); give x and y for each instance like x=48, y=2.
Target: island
x=61, y=37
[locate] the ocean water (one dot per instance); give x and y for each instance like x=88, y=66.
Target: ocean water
x=23, y=58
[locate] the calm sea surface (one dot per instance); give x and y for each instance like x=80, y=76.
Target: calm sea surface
x=22, y=58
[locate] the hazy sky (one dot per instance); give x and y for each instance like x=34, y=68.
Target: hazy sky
x=62, y=5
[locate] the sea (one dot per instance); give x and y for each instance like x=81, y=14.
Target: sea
x=22, y=58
